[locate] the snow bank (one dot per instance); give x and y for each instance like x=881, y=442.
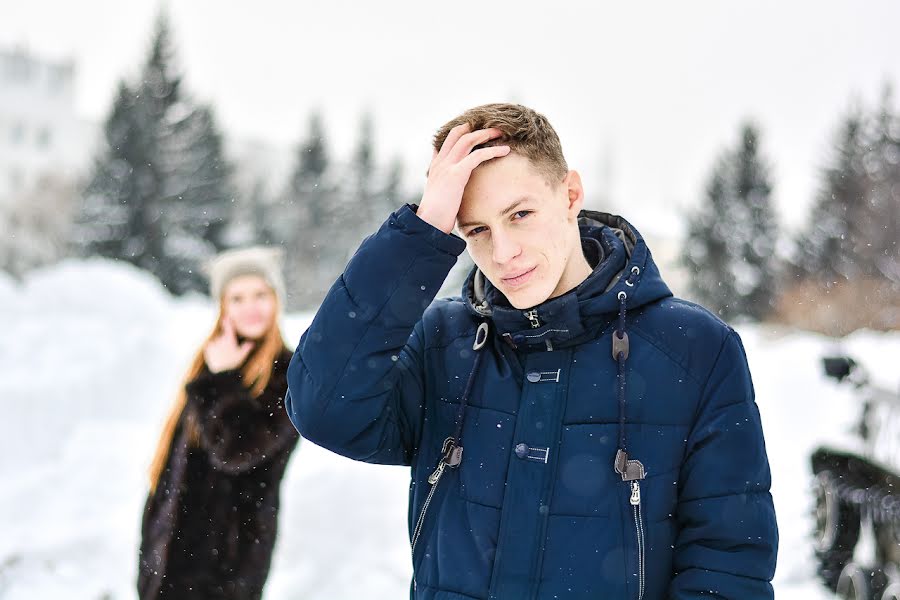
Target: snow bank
x=93, y=352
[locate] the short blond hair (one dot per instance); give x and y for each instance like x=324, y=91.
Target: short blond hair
x=527, y=133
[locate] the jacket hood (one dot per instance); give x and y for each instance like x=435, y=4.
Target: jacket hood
x=622, y=263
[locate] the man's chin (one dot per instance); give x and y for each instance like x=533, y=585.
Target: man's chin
x=525, y=299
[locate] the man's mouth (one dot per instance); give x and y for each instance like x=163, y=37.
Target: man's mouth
x=519, y=278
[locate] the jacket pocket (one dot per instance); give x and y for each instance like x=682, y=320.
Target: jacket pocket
x=588, y=557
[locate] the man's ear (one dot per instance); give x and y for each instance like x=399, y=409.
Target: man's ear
x=574, y=193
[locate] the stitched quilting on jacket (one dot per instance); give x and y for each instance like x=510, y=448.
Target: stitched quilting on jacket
x=605, y=444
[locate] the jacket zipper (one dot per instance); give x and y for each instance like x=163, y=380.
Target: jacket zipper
x=451, y=455
x=532, y=316
x=432, y=479
x=639, y=530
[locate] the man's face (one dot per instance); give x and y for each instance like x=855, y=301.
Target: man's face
x=520, y=230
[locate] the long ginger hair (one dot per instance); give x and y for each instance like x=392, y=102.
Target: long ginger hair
x=256, y=372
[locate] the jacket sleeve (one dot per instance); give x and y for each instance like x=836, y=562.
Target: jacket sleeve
x=728, y=537
x=240, y=432
x=356, y=380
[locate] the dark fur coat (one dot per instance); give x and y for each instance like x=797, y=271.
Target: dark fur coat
x=209, y=529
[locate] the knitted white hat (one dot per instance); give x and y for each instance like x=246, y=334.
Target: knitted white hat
x=264, y=261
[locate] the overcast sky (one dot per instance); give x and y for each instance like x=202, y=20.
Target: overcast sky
x=646, y=92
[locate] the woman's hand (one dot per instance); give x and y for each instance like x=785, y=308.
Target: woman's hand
x=223, y=352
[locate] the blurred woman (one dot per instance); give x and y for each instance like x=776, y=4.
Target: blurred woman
x=209, y=522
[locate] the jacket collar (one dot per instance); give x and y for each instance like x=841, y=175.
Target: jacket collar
x=622, y=263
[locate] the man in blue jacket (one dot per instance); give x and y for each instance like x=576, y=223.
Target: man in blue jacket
x=574, y=431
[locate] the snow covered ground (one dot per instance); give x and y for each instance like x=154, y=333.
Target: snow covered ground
x=92, y=353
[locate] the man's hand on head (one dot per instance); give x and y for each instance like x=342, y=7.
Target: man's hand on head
x=450, y=171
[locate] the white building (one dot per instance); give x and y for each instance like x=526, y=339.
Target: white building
x=40, y=133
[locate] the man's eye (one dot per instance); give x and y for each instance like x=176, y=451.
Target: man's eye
x=522, y=214
x=476, y=230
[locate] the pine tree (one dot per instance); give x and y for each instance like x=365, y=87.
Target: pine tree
x=731, y=237
x=829, y=249
x=198, y=197
x=854, y=225
x=707, y=249
x=847, y=261
x=392, y=196
x=251, y=225
x=757, y=230
x=305, y=221
x=160, y=195
x=103, y=225
x=121, y=216
x=884, y=171
x=202, y=179
x=158, y=91
x=360, y=205
x=308, y=181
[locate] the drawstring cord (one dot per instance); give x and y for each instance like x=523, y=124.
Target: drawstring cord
x=451, y=452
x=620, y=353
x=630, y=470
x=480, y=340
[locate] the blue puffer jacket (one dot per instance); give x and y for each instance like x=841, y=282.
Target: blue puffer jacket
x=538, y=506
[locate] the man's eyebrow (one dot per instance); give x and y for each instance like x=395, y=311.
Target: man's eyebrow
x=503, y=212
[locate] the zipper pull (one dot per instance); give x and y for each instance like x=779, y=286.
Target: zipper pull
x=451, y=456
x=434, y=477
x=635, y=493
x=533, y=317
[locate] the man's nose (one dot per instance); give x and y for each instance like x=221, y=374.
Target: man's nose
x=505, y=248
